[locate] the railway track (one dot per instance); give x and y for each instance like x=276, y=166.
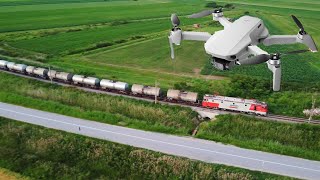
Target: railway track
x=271, y=117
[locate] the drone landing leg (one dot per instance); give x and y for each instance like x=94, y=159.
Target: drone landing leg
x=275, y=67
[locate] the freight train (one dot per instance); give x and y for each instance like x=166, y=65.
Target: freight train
x=250, y=106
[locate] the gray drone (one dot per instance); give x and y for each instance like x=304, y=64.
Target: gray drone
x=237, y=43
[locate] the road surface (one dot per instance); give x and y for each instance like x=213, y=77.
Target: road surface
x=189, y=147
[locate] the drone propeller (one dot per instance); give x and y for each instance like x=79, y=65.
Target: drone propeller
x=205, y=13
x=175, y=34
x=175, y=20
x=201, y=14
x=266, y=57
x=299, y=24
x=304, y=37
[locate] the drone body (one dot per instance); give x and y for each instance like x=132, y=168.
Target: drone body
x=237, y=43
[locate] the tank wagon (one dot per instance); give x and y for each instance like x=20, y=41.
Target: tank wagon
x=251, y=106
x=114, y=85
x=178, y=95
x=60, y=76
x=10, y=65
x=235, y=104
x=138, y=89
x=86, y=81
x=21, y=68
x=41, y=72
x=30, y=69
x=3, y=64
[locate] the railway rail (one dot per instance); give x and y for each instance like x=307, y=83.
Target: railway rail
x=271, y=117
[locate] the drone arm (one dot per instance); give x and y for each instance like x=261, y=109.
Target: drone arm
x=255, y=50
x=177, y=36
x=291, y=39
x=224, y=21
x=280, y=39
x=195, y=36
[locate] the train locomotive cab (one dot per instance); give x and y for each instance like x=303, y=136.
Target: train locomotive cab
x=250, y=106
x=260, y=108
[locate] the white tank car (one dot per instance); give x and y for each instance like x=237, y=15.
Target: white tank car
x=91, y=81
x=173, y=94
x=235, y=104
x=183, y=96
x=30, y=69
x=10, y=65
x=78, y=79
x=109, y=84
x=152, y=91
x=3, y=64
x=20, y=67
x=145, y=90
x=40, y=72
x=52, y=74
x=64, y=76
x=189, y=96
x=137, y=89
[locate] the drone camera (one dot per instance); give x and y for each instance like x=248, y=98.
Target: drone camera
x=233, y=57
x=222, y=64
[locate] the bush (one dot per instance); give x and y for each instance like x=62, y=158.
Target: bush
x=248, y=87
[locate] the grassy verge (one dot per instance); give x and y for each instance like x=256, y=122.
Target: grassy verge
x=300, y=140
x=42, y=153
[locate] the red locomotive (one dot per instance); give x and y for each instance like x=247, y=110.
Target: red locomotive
x=235, y=104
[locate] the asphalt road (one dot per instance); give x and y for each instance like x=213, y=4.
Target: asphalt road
x=198, y=149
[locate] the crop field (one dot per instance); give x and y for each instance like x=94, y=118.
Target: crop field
x=113, y=34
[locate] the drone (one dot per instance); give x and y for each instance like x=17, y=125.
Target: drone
x=237, y=43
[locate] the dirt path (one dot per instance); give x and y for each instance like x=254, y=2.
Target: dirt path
x=4, y=175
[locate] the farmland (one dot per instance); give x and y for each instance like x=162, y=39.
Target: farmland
x=96, y=34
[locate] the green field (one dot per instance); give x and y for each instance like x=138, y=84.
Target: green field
x=113, y=34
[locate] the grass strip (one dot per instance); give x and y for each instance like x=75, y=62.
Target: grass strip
x=42, y=153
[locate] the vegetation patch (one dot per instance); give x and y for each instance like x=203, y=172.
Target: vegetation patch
x=42, y=153
x=300, y=140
